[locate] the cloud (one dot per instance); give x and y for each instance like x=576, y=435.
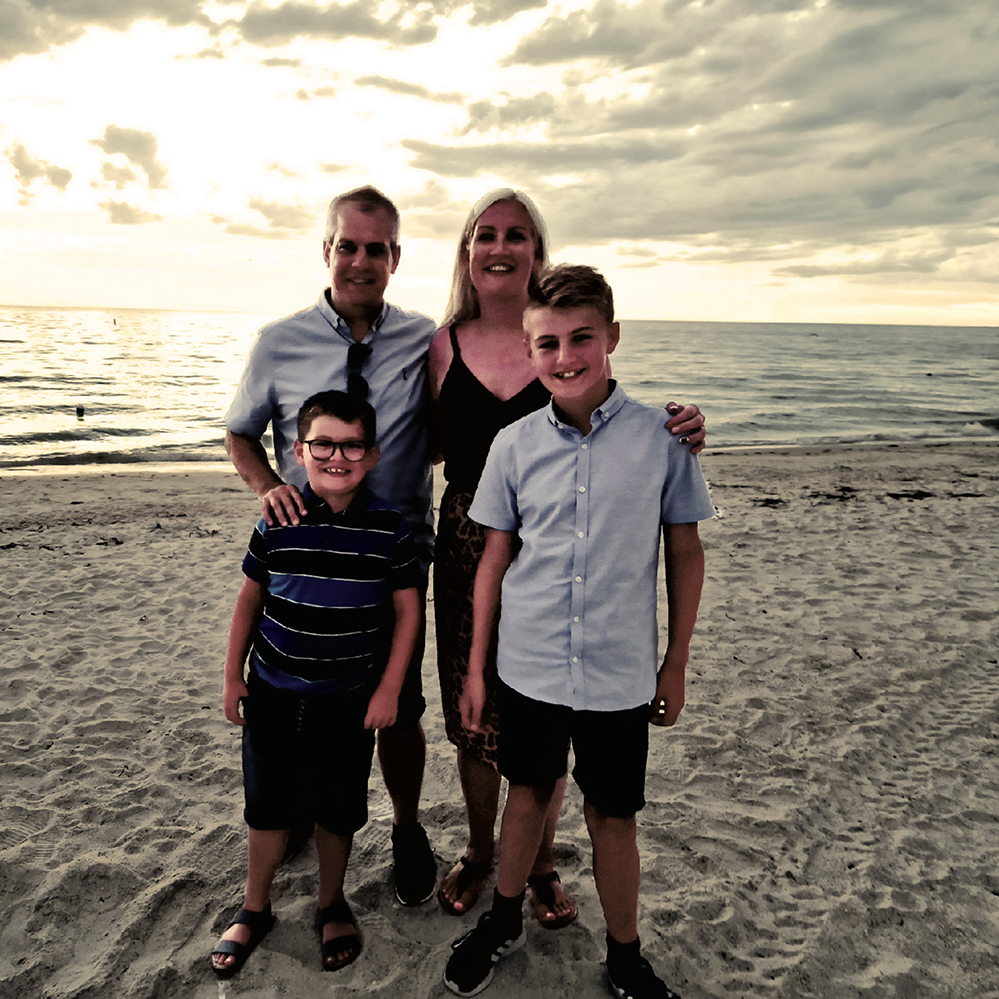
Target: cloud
x=120, y=213
x=28, y=170
x=334, y=167
x=293, y=217
x=214, y=52
x=511, y=113
x=119, y=176
x=433, y=195
x=655, y=32
x=277, y=61
x=410, y=89
x=891, y=262
x=751, y=130
x=28, y=27
x=283, y=170
x=495, y=11
x=410, y=24
x=593, y=156
x=138, y=147
x=283, y=221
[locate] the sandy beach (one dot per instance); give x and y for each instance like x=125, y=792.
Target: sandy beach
x=822, y=823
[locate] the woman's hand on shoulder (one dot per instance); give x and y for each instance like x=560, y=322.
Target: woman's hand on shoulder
x=689, y=421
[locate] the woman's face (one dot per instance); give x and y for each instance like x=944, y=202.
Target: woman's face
x=502, y=249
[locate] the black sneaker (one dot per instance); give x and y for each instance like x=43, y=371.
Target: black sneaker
x=413, y=865
x=470, y=966
x=634, y=978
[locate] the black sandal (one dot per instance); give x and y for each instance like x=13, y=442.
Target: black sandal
x=471, y=878
x=543, y=892
x=260, y=924
x=338, y=912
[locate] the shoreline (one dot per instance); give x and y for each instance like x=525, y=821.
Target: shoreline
x=823, y=821
x=216, y=466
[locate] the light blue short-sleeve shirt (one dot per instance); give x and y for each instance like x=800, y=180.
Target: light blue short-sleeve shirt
x=306, y=353
x=578, y=622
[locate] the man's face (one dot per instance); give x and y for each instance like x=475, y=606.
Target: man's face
x=361, y=259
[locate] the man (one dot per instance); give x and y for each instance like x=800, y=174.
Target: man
x=352, y=339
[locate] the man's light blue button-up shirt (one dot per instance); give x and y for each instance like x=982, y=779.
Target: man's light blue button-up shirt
x=578, y=613
x=306, y=353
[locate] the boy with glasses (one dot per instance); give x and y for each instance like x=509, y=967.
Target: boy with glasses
x=353, y=339
x=328, y=615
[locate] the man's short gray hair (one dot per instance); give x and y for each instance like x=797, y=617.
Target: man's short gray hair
x=369, y=200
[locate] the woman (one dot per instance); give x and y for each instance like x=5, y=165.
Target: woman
x=482, y=380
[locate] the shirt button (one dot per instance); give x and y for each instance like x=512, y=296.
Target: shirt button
x=580, y=534
x=576, y=619
x=582, y=489
x=585, y=446
x=579, y=579
x=575, y=659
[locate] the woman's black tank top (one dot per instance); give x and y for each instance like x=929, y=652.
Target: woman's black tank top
x=471, y=416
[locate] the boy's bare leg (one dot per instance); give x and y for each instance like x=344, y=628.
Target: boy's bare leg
x=523, y=826
x=402, y=755
x=334, y=852
x=264, y=851
x=480, y=786
x=616, y=870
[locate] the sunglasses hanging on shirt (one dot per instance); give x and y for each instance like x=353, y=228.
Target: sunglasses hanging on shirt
x=357, y=384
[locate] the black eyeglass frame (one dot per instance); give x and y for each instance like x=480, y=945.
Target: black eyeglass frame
x=333, y=446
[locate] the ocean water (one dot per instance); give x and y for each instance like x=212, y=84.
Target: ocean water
x=84, y=386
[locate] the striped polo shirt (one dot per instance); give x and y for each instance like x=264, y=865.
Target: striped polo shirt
x=328, y=615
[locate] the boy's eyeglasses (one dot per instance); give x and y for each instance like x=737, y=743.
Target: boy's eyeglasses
x=322, y=449
x=357, y=384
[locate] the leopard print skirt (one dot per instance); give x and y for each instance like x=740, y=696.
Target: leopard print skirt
x=459, y=547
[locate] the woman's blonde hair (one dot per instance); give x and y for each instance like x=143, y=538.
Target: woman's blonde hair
x=463, y=303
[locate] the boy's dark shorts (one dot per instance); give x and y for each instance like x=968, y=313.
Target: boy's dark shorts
x=611, y=749
x=412, y=703
x=305, y=758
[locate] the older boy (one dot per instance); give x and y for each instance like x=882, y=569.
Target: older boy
x=574, y=497
x=329, y=614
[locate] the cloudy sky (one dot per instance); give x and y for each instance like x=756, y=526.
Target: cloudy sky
x=763, y=160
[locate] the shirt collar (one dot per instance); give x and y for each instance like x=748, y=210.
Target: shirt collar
x=604, y=412
x=318, y=510
x=339, y=323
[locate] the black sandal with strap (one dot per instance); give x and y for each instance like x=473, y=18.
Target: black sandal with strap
x=542, y=886
x=338, y=912
x=471, y=877
x=260, y=924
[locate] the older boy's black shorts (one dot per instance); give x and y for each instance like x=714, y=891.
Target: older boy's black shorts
x=305, y=758
x=412, y=703
x=611, y=749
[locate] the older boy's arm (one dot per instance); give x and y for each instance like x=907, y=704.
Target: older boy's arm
x=384, y=703
x=684, y=578
x=496, y=559
x=279, y=500
x=247, y=612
